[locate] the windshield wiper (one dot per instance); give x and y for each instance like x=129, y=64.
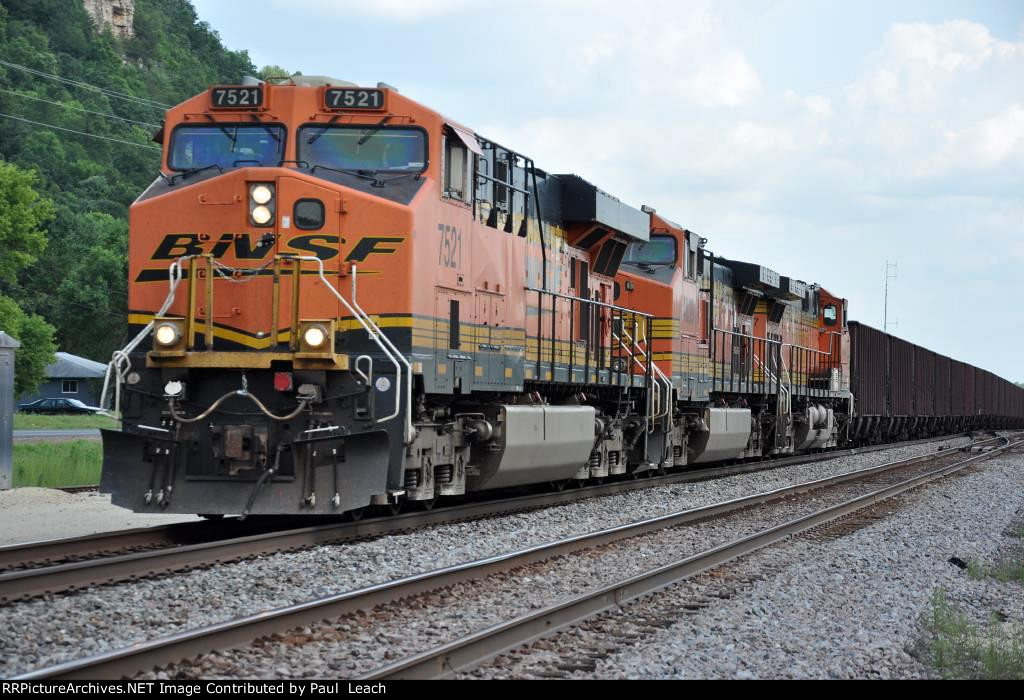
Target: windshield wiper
x=647, y=266
x=193, y=171
x=373, y=132
x=367, y=174
x=357, y=172
x=323, y=130
x=266, y=127
x=399, y=176
x=224, y=130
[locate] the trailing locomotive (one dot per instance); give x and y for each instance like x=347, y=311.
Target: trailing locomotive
x=343, y=298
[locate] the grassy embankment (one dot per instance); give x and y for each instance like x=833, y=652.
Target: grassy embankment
x=960, y=648
x=56, y=464
x=32, y=421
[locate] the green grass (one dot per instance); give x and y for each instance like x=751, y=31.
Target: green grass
x=32, y=421
x=56, y=464
x=1005, y=571
x=959, y=649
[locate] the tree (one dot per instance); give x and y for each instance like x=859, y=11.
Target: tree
x=37, y=347
x=270, y=72
x=23, y=218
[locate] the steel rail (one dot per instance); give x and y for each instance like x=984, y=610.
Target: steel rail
x=26, y=554
x=27, y=583
x=231, y=633
x=22, y=555
x=477, y=648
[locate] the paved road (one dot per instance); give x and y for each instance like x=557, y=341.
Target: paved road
x=45, y=435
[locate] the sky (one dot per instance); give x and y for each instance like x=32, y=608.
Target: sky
x=820, y=139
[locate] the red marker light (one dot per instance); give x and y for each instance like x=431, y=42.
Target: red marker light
x=283, y=381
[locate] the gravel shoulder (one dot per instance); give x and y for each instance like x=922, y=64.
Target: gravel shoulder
x=69, y=626
x=32, y=514
x=844, y=601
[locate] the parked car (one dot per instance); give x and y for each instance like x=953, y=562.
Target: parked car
x=58, y=406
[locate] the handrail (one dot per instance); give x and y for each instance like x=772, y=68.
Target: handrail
x=715, y=329
x=593, y=302
x=831, y=334
x=778, y=342
x=660, y=375
x=120, y=362
x=784, y=390
x=658, y=411
x=376, y=335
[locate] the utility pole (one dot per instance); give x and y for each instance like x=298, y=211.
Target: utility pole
x=891, y=270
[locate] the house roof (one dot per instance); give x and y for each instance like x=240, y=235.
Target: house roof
x=70, y=366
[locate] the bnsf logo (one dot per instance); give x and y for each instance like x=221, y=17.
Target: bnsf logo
x=242, y=247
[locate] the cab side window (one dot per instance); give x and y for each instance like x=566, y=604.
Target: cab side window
x=829, y=315
x=456, y=169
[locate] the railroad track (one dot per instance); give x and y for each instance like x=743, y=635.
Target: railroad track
x=41, y=568
x=466, y=652
x=475, y=649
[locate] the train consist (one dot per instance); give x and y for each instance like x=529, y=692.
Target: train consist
x=343, y=298
x=904, y=390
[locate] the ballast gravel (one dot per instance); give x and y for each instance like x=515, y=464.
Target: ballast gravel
x=845, y=601
x=357, y=644
x=65, y=627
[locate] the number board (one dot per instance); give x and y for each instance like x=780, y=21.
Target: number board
x=353, y=98
x=236, y=97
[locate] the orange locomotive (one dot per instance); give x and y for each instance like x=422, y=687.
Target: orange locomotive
x=343, y=298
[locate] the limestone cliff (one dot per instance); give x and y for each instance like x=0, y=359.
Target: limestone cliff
x=117, y=15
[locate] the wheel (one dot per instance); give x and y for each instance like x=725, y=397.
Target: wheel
x=559, y=485
x=392, y=508
x=427, y=504
x=355, y=514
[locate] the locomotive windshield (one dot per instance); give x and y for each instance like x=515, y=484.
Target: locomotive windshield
x=226, y=146
x=373, y=148
x=660, y=250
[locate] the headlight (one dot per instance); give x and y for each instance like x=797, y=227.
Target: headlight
x=261, y=203
x=315, y=339
x=315, y=336
x=261, y=215
x=166, y=334
x=261, y=194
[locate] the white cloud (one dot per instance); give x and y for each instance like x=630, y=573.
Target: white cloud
x=726, y=80
x=756, y=138
x=917, y=64
x=995, y=140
